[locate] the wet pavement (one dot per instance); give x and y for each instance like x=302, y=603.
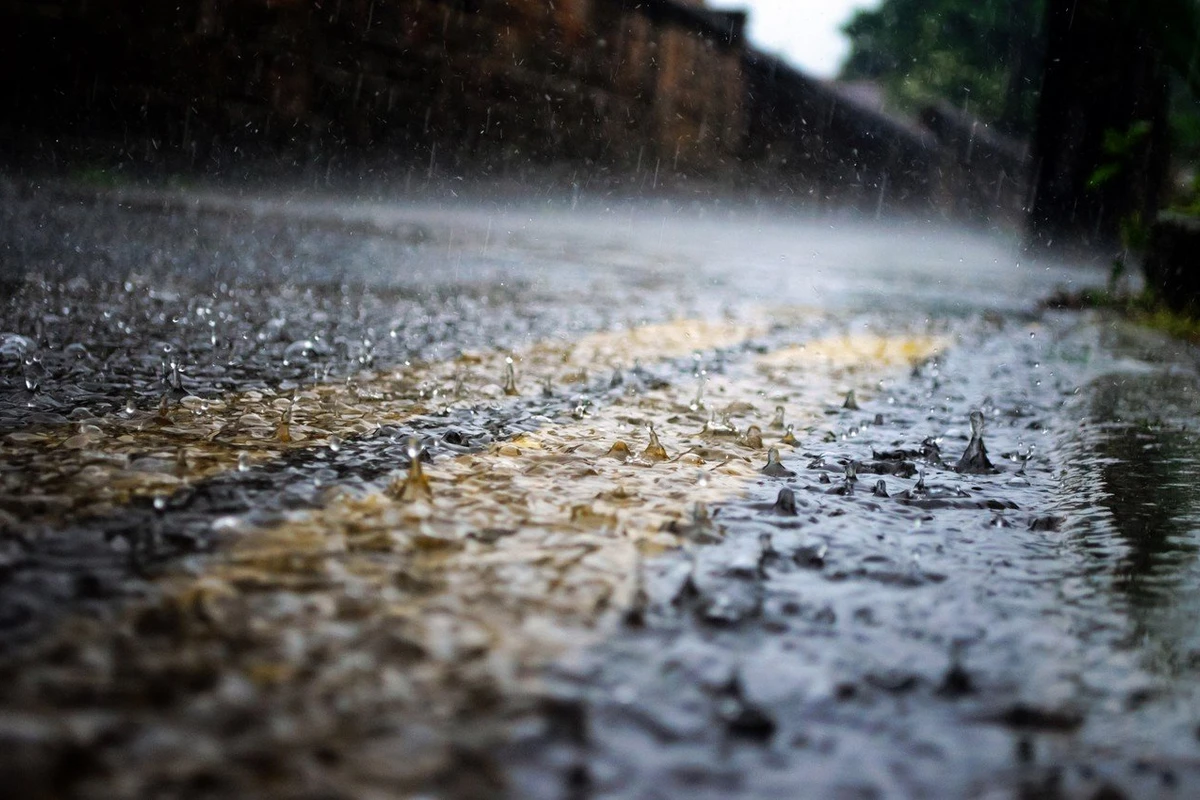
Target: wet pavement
x=708, y=501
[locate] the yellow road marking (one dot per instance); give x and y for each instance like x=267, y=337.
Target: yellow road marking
x=527, y=548
x=430, y=613
x=92, y=467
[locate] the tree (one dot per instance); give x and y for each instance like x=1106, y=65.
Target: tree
x=1101, y=147
x=983, y=56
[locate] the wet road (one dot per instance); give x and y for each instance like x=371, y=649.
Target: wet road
x=698, y=509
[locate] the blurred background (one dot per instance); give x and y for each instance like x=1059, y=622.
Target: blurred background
x=1076, y=122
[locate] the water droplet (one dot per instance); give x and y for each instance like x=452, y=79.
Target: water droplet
x=654, y=450
x=778, y=422
x=164, y=406
x=335, y=444
x=619, y=451
x=851, y=471
x=850, y=402
x=785, y=502
x=414, y=486
x=284, y=431
x=510, y=378
x=698, y=401
x=775, y=467
x=243, y=462
x=752, y=438
x=974, y=459
x=790, y=436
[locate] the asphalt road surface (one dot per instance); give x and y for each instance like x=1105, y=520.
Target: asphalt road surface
x=314, y=496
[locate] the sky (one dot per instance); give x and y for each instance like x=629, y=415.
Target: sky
x=806, y=32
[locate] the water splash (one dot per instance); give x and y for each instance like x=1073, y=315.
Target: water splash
x=778, y=422
x=700, y=529
x=775, y=467
x=510, y=378
x=654, y=450
x=283, y=432
x=785, y=503
x=850, y=403
x=974, y=460
x=698, y=401
x=789, y=437
x=415, y=485
x=620, y=451
x=752, y=438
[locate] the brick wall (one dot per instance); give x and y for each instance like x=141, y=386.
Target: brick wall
x=609, y=81
x=482, y=87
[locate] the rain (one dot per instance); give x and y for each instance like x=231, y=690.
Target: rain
x=599, y=399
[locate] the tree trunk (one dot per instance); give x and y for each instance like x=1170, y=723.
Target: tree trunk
x=1103, y=76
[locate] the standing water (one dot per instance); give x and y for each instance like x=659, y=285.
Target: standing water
x=867, y=524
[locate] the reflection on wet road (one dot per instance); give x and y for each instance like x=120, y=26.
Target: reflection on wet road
x=349, y=499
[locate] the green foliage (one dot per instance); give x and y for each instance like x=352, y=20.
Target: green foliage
x=981, y=55
x=1120, y=148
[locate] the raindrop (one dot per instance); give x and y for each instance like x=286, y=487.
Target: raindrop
x=790, y=436
x=775, y=467
x=619, y=451
x=698, y=401
x=284, y=431
x=164, y=405
x=654, y=450
x=778, y=421
x=510, y=378
x=851, y=471
x=753, y=437
x=415, y=485
x=785, y=503
x=34, y=372
x=243, y=461
x=880, y=489
x=974, y=460
x=850, y=402
x=335, y=444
